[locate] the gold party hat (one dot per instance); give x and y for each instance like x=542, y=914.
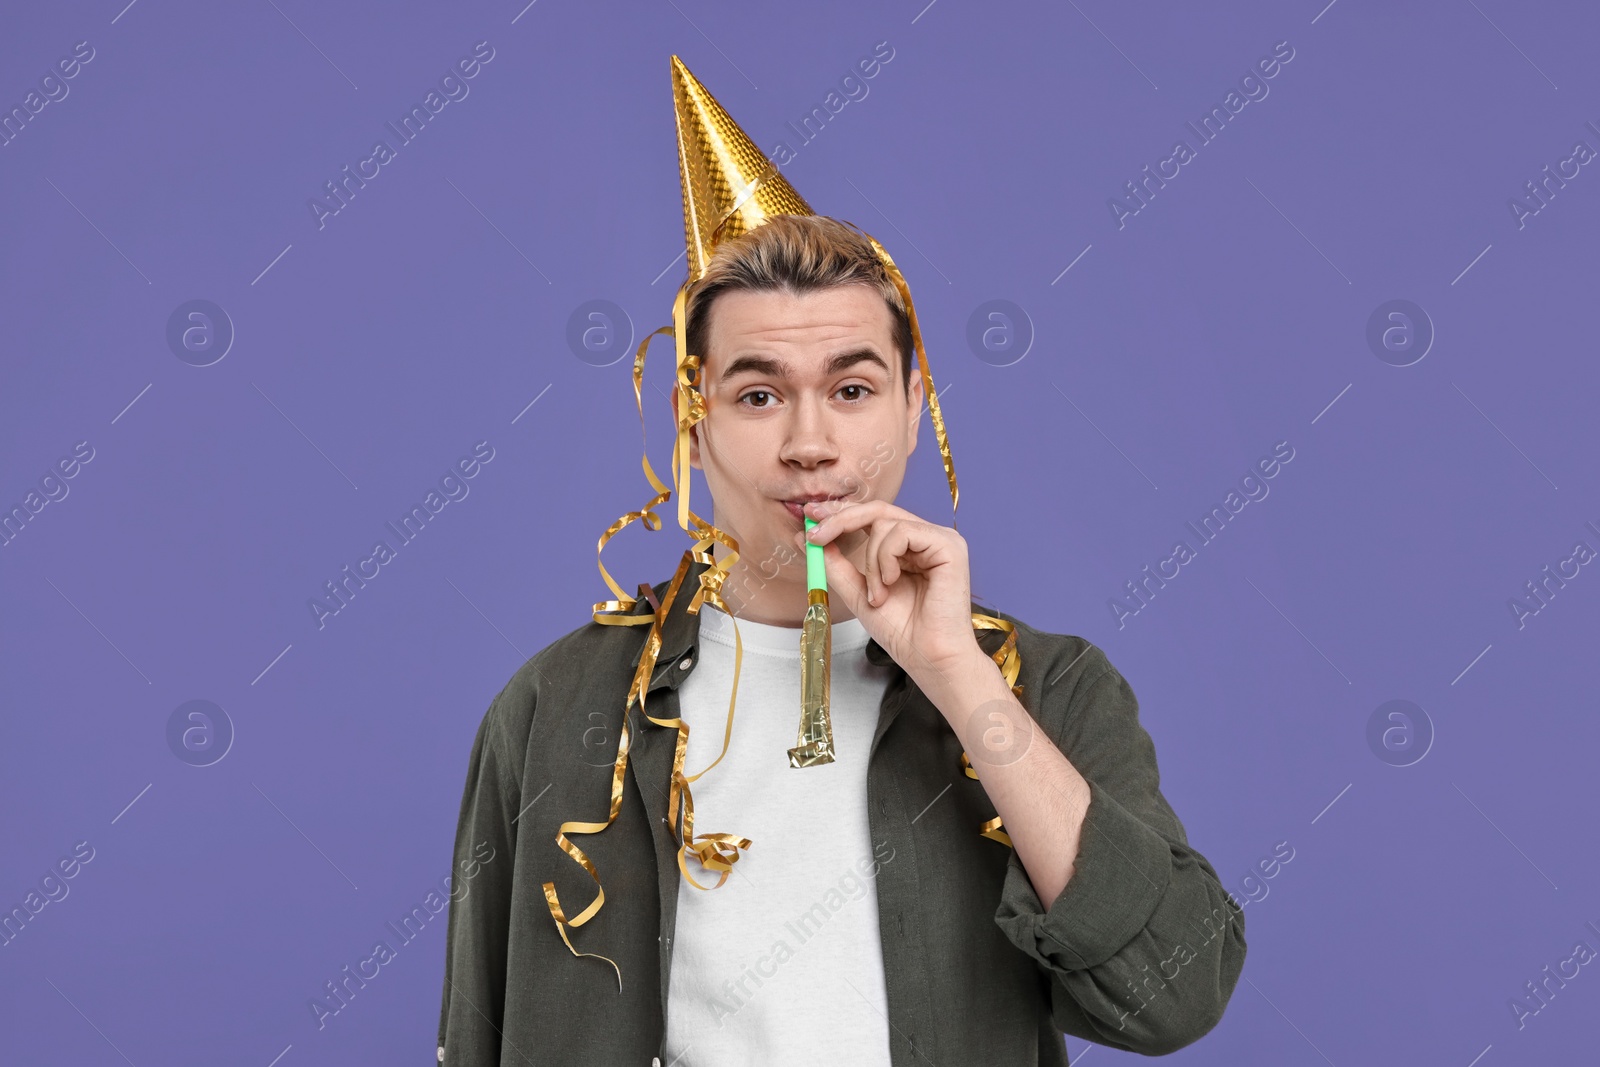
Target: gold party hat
x=729, y=186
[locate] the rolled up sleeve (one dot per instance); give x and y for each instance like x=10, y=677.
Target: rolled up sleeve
x=1143, y=947
x=473, y=1011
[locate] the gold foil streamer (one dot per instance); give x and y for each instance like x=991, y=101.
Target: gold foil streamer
x=729, y=188
x=927, y=375
x=718, y=851
x=990, y=829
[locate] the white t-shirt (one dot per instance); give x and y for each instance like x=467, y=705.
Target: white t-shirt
x=782, y=964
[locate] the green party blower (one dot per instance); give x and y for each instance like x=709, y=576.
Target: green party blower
x=815, y=744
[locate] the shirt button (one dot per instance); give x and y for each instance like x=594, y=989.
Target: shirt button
x=685, y=663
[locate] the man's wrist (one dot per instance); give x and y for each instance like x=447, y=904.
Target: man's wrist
x=958, y=684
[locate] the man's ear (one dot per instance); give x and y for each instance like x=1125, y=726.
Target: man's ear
x=694, y=432
x=914, y=403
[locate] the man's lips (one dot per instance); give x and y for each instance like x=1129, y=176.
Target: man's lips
x=797, y=509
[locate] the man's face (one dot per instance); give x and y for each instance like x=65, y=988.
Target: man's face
x=803, y=399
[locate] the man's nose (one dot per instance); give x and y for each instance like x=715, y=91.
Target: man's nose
x=809, y=440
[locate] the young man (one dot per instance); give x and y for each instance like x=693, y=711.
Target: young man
x=870, y=910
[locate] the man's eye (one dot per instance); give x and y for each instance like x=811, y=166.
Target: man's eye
x=862, y=393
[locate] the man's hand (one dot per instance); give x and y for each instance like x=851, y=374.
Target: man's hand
x=912, y=591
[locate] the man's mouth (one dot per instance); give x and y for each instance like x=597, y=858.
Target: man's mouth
x=797, y=507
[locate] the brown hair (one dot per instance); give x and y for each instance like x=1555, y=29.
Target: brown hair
x=796, y=254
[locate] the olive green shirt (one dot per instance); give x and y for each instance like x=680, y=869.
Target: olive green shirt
x=1141, y=951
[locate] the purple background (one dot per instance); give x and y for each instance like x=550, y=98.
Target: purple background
x=1228, y=314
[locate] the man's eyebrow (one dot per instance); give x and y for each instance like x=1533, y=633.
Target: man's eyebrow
x=777, y=368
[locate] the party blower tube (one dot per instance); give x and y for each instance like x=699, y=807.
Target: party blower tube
x=815, y=744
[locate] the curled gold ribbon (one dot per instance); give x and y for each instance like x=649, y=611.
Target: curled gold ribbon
x=716, y=851
x=922, y=363
x=990, y=829
x=1009, y=662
